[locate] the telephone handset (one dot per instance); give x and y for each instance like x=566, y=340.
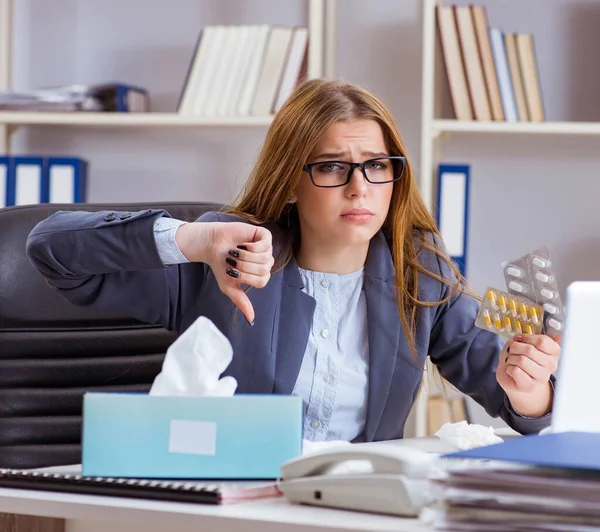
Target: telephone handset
x=383, y=478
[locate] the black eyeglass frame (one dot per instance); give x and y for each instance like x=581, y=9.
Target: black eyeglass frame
x=353, y=166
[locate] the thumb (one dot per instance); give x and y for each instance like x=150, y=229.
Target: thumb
x=263, y=234
x=242, y=302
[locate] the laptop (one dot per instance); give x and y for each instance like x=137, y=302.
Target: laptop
x=576, y=406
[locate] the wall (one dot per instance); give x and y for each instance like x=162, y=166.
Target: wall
x=527, y=191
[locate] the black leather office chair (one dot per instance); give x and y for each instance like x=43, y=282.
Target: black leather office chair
x=52, y=352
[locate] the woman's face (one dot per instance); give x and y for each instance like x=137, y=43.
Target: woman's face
x=353, y=213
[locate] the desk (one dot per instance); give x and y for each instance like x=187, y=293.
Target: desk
x=90, y=513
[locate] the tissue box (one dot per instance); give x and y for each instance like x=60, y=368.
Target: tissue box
x=239, y=437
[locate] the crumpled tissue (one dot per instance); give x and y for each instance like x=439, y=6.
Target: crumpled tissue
x=194, y=363
x=464, y=436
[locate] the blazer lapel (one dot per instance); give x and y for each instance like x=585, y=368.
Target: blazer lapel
x=295, y=322
x=384, y=329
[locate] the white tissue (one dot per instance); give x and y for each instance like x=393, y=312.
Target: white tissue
x=194, y=363
x=466, y=436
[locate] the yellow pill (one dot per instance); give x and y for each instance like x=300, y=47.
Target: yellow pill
x=513, y=307
x=523, y=310
x=487, y=319
x=507, y=324
x=534, y=315
x=518, y=327
x=502, y=302
x=492, y=297
x=497, y=322
x=528, y=329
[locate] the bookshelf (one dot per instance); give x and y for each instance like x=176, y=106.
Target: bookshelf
x=435, y=131
x=321, y=63
x=440, y=127
x=91, y=119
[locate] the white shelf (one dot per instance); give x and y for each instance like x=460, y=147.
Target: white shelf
x=528, y=128
x=80, y=118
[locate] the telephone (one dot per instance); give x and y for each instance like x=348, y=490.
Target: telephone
x=386, y=478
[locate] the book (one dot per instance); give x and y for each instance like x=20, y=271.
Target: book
x=472, y=61
x=272, y=70
x=295, y=68
x=510, y=43
x=480, y=22
x=453, y=61
x=530, y=75
x=70, y=480
x=506, y=89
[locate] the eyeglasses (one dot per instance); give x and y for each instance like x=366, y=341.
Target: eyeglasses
x=330, y=174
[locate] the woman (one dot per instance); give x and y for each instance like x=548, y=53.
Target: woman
x=350, y=289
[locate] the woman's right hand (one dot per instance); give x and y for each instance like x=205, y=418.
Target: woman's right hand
x=238, y=253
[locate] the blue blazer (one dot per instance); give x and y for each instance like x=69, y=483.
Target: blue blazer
x=109, y=261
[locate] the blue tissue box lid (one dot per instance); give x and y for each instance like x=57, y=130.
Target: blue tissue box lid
x=239, y=437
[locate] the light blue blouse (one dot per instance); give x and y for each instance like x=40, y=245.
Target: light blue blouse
x=334, y=376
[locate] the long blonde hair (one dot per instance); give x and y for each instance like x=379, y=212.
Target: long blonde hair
x=313, y=107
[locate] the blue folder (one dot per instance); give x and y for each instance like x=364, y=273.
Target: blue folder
x=452, y=213
x=66, y=179
x=570, y=450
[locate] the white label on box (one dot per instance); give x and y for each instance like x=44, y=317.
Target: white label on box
x=193, y=437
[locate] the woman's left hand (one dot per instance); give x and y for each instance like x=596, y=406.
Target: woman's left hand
x=526, y=364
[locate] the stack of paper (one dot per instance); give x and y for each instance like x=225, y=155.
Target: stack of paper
x=68, y=98
x=525, y=499
x=552, y=484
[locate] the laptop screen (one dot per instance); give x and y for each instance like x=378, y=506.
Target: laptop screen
x=576, y=405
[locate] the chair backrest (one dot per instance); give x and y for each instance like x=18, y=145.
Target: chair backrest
x=52, y=352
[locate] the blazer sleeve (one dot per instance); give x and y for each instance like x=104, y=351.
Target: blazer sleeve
x=109, y=261
x=467, y=356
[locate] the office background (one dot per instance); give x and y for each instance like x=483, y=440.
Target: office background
x=526, y=190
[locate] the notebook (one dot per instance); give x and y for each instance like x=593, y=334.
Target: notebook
x=69, y=480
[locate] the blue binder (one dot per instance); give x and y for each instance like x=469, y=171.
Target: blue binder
x=66, y=179
x=6, y=186
x=26, y=182
x=571, y=450
x=121, y=97
x=452, y=213
x=132, y=99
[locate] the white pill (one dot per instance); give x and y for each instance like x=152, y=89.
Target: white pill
x=548, y=294
x=513, y=271
x=550, y=309
x=555, y=324
x=517, y=287
x=541, y=263
x=543, y=277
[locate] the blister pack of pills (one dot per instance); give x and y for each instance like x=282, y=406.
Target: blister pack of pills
x=533, y=277
x=508, y=314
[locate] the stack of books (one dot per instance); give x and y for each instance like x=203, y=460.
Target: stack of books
x=247, y=70
x=492, y=75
